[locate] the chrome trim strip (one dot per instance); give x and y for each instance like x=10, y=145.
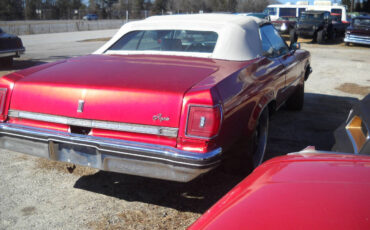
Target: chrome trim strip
x=120, y=147
x=13, y=50
x=118, y=126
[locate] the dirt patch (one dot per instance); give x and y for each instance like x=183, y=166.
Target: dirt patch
x=46, y=164
x=27, y=211
x=146, y=219
x=353, y=88
x=355, y=60
x=96, y=40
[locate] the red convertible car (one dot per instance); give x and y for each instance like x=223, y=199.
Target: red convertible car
x=164, y=98
x=305, y=190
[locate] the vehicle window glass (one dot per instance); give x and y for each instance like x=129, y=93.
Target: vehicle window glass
x=268, y=50
x=129, y=42
x=300, y=11
x=290, y=12
x=270, y=11
x=306, y=16
x=361, y=22
x=279, y=46
x=168, y=40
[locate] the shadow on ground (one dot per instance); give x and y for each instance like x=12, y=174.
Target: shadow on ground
x=196, y=196
x=292, y=131
x=289, y=131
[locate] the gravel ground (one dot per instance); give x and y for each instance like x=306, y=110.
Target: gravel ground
x=41, y=194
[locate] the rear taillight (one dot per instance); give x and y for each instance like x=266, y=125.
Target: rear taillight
x=203, y=122
x=2, y=100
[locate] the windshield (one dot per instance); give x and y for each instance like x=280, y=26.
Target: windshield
x=270, y=11
x=361, y=22
x=311, y=17
x=167, y=40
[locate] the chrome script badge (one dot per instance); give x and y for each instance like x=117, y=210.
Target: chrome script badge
x=160, y=118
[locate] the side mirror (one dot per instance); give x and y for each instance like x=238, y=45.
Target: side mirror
x=295, y=46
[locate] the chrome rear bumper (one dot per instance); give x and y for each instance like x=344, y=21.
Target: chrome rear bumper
x=114, y=155
x=12, y=52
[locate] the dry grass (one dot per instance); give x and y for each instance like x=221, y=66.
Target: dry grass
x=145, y=219
x=46, y=164
x=353, y=88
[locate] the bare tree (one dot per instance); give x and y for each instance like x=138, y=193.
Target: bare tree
x=253, y=5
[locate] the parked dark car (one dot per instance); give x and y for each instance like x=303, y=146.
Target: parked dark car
x=359, y=31
x=10, y=46
x=317, y=25
x=90, y=17
x=353, y=135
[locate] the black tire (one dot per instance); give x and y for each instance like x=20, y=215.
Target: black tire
x=7, y=62
x=320, y=36
x=296, y=100
x=248, y=152
x=314, y=37
x=293, y=36
x=259, y=138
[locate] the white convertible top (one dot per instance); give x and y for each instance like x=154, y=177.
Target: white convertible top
x=238, y=35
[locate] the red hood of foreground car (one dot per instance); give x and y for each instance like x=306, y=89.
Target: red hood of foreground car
x=300, y=191
x=128, y=89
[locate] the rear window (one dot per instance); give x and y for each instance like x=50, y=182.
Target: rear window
x=290, y=12
x=167, y=40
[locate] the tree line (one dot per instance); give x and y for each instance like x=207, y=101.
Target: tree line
x=134, y=9
x=119, y=9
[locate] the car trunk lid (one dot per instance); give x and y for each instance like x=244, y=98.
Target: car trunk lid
x=129, y=89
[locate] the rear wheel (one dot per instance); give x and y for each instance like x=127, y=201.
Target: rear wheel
x=296, y=100
x=293, y=36
x=248, y=152
x=259, y=138
x=314, y=37
x=320, y=36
